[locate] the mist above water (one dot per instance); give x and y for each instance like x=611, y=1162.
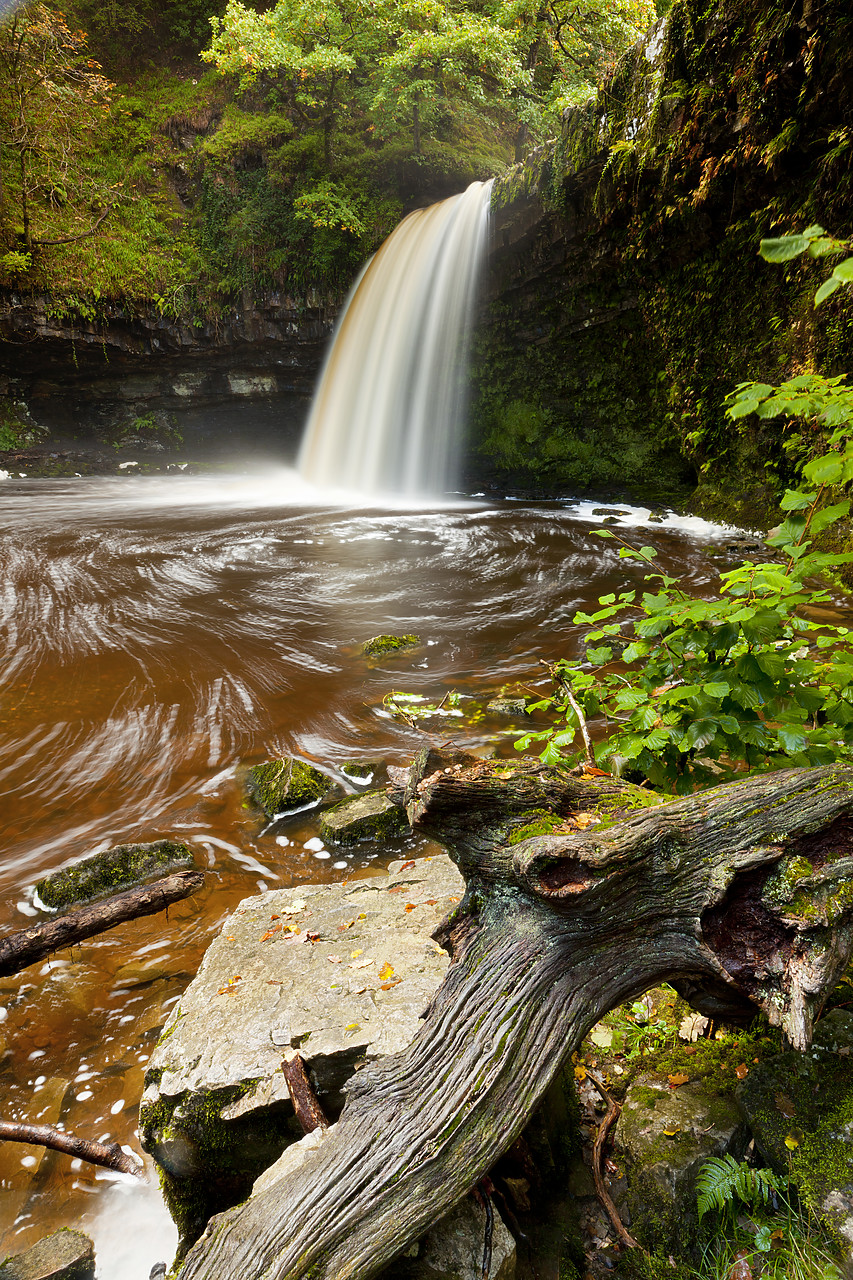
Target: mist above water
x=388, y=415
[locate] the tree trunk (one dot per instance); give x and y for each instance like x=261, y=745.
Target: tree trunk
x=582, y=893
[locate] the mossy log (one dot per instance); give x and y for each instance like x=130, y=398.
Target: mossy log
x=741, y=896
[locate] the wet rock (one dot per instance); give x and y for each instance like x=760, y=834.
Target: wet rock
x=453, y=1249
x=800, y=1109
x=369, y=816
x=380, y=646
x=360, y=770
x=508, y=706
x=112, y=871
x=64, y=1255
x=340, y=972
x=665, y=1134
x=279, y=786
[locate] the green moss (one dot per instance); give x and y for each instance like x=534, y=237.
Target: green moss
x=542, y=824
x=359, y=768
x=380, y=646
x=111, y=872
x=369, y=816
x=280, y=785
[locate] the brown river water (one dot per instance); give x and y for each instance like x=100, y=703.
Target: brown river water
x=159, y=636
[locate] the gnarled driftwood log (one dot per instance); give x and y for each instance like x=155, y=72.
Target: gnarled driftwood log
x=582, y=893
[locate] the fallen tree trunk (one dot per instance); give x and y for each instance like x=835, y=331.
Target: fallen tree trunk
x=581, y=894
x=28, y=946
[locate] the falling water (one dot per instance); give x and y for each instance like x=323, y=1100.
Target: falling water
x=389, y=410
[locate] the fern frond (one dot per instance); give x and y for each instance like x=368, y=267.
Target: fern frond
x=722, y=1180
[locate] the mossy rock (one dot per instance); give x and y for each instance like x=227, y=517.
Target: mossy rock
x=112, y=871
x=800, y=1109
x=63, y=1255
x=281, y=785
x=381, y=646
x=370, y=816
x=360, y=770
x=508, y=707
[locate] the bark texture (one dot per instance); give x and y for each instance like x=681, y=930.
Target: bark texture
x=582, y=893
x=109, y=1155
x=28, y=946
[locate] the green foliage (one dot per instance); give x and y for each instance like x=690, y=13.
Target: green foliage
x=724, y=1181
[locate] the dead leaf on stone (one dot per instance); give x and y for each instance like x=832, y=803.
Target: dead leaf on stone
x=230, y=937
x=397, y=888
x=410, y=906
x=363, y=915
x=407, y=866
x=584, y=820
x=353, y=955
x=346, y=924
x=386, y=972
x=311, y=937
x=271, y=932
x=785, y=1105
x=294, y=907
x=671, y=1131
x=431, y=902
x=334, y=959
x=741, y=1071
x=386, y=986
x=678, y=1078
x=274, y=917
x=230, y=986
x=362, y=964
x=580, y=1072
x=352, y=1026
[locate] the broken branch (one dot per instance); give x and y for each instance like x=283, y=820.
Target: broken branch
x=306, y=1104
x=28, y=946
x=109, y=1155
x=612, y=1115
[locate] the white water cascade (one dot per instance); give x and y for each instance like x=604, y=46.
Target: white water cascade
x=389, y=410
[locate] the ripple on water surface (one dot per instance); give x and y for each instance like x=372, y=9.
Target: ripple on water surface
x=158, y=636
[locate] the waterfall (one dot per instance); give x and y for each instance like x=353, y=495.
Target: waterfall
x=389, y=411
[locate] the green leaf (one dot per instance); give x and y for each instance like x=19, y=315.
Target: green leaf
x=825, y=470
x=604, y=533
x=791, y=739
x=700, y=733
x=600, y=656
x=796, y=500
x=716, y=689
x=783, y=248
x=823, y=519
x=844, y=271
x=828, y=287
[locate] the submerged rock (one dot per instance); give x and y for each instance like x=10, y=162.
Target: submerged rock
x=369, y=816
x=340, y=972
x=281, y=785
x=666, y=1134
x=508, y=706
x=64, y=1255
x=360, y=770
x=379, y=646
x=111, y=872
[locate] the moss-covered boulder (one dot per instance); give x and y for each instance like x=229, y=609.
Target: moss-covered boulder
x=369, y=816
x=278, y=786
x=381, y=646
x=64, y=1255
x=800, y=1109
x=665, y=1134
x=111, y=872
x=360, y=770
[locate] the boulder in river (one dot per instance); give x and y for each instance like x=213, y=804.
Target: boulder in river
x=340, y=972
x=278, y=786
x=112, y=871
x=369, y=816
x=381, y=646
x=63, y=1255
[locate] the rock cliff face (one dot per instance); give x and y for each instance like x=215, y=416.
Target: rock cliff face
x=627, y=297
x=103, y=372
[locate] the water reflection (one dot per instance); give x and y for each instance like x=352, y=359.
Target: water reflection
x=160, y=635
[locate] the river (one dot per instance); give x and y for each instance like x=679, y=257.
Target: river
x=162, y=634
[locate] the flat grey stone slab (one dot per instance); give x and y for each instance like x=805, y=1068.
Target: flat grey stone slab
x=340, y=972
x=64, y=1255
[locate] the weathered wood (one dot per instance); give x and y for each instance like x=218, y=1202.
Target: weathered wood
x=613, y=1113
x=582, y=893
x=109, y=1155
x=306, y=1104
x=28, y=946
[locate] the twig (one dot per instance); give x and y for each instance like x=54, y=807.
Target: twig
x=575, y=705
x=613, y=1112
x=28, y=946
x=482, y=1194
x=110, y=1155
x=306, y=1104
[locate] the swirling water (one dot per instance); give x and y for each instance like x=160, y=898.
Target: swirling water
x=158, y=636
